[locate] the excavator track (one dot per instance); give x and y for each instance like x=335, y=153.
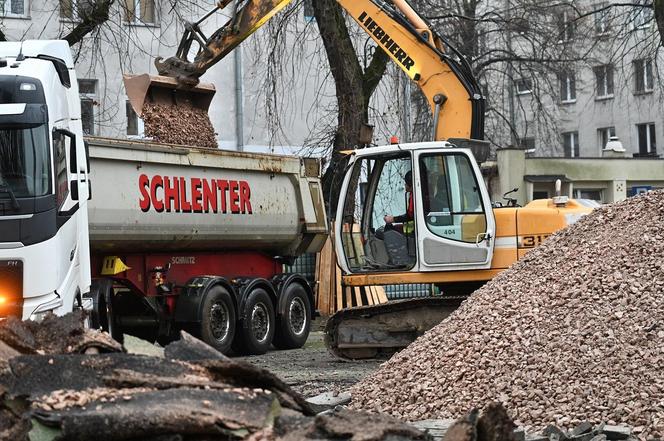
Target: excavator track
x=381, y=330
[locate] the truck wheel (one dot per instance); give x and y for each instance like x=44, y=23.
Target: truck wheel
x=294, y=320
x=256, y=330
x=218, y=319
x=102, y=315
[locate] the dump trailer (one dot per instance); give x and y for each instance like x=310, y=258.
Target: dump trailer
x=196, y=239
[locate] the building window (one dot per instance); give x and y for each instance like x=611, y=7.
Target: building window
x=594, y=195
x=571, y=144
x=567, y=87
x=643, y=80
x=74, y=9
x=527, y=144
x=604, y=81
x=566, y=25
x=602, y=18
x=15, y=8
x=642, y=15
x=604, y=135
x=139, y=11
x=308, y=11
x=647, y=140
x=135, y=127
x=87, y=91
x=540, y=194
x=524, y=86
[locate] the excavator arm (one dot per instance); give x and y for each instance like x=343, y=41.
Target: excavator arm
x=443, y=74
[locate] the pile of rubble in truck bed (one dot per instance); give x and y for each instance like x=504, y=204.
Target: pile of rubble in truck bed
x=183, y=124
x=59, y=381
x=574, y=331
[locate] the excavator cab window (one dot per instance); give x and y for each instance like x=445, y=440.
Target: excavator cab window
x=380, y=187
x=451, y=197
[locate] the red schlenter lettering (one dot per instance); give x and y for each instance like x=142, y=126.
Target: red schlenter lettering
x=194, y=195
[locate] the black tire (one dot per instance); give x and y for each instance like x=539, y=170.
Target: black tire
x=256, y=331
x=294, y=318
x=218, y=319
x=102, y=315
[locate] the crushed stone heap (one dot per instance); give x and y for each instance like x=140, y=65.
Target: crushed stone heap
x=574, y=331
x=182, y=124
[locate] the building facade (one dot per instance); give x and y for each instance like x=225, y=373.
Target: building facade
x=603, y=86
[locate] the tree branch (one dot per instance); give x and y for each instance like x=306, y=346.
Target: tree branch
x=91, y=18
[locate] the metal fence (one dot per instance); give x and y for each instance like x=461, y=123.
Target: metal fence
x=304, y=265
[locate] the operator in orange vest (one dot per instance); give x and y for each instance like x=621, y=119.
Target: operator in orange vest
x=407, y=219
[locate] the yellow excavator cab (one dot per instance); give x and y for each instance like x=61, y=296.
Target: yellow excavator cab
x=157, y=89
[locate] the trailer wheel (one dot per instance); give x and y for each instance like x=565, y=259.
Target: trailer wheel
x=294, y=320
x=218, y=319
x=256, y=329
x=102, y=315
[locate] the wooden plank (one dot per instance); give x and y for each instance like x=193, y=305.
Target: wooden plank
x=358, y=295
x=319, y=302
x=374, y=296
x=367, y=294
x=337, y=287
x=325, y=296
x=382, y=297
x=349, y=296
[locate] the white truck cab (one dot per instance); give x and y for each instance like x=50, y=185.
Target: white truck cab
x=44, y=183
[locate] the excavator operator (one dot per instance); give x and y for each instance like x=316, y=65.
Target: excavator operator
x=407, y=225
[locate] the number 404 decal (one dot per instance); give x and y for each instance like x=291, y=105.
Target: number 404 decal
x=532, y=241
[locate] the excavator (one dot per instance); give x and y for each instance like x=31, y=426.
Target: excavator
x=407, y=213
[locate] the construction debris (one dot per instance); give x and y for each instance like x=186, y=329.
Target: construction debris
x=51, y=389
x=573, y=332
x=182, y=124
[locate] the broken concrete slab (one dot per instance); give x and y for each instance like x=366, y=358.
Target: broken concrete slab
x=616, y=432
x=330, y=399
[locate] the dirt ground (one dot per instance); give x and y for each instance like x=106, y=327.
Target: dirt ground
x=312, y=370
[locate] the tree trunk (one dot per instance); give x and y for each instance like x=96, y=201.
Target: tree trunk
x=354, y=88
x=658, y=6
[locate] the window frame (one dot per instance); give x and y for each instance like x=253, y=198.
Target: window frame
x=520, y=91
x=643, y=70
x=134, y=18
x=5, y=10
x=568, y=79
x=91, y=97
x=607, y=71
x=566, y=26
x=650, y=138
x=600, y=192
x=574, y=148
x=605, y=130
x=602, y=23
x=643, y=17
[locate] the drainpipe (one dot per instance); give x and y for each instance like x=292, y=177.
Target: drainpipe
x=239, y=104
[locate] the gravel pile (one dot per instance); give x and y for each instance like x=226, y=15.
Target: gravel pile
x=181, y=124
x=573, y=332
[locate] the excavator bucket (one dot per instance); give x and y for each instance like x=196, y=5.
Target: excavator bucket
x=165, y=90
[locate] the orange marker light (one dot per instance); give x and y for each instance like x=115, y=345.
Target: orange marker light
x=394, y=140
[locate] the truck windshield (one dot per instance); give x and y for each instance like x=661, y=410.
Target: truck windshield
x=24, y=161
